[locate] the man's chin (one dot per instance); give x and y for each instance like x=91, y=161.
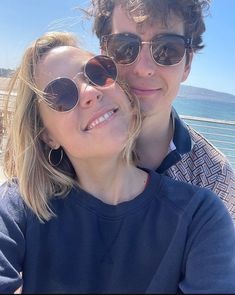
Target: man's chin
x=148, y=110
x=148, y=113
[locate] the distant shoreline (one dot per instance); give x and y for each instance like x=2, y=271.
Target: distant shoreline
x=191, y=92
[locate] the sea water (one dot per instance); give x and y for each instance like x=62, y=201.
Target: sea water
x=206, y=108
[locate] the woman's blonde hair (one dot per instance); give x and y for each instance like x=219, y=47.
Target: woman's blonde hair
x=26, y=154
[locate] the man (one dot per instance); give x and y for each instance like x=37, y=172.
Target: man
x=153, y=42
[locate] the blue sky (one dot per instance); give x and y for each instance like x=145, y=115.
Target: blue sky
x=22, y=21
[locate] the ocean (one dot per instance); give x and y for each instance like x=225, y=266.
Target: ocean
x=222, y=136
x=205, y=108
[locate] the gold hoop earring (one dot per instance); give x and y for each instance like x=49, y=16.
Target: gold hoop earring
x=55, y=156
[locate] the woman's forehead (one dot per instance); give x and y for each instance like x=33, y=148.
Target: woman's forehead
x=63, y=61
x=65, y=53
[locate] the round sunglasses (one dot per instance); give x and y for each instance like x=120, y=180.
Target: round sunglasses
x=166, y=49
x=62, y=94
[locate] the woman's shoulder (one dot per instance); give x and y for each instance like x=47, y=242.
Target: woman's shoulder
x=9, y=190
x=188, y=199
x=11, y=203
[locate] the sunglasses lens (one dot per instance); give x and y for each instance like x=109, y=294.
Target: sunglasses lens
x=61, y=94
x=168, y=50
x=123, y=48
x=101, y=71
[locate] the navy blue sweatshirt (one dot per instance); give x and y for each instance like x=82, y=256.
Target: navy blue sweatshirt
x=173, y=237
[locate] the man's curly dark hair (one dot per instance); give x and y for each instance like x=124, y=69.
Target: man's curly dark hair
x=192, y=13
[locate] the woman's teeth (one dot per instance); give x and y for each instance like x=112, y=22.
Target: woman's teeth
x=101, y=119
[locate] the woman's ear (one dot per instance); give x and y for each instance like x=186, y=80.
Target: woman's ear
x=48, y=139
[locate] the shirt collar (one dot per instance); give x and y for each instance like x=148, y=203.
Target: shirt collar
x=179, y=145
x=181, y=138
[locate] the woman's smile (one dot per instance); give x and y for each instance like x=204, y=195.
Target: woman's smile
x=100, y=120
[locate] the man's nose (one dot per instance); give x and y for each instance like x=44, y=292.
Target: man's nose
x=144, y=66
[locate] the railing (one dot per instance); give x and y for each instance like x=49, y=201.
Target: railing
x=2, y=130
x=220, y=133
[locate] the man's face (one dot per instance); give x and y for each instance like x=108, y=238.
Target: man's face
x=156, y=86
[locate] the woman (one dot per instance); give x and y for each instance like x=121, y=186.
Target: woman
x=77, y=216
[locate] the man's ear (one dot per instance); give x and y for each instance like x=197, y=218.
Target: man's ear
x=187, y=67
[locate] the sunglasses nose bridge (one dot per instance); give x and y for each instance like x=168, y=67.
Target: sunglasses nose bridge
x=146, y=42
x=80, y=80
x=149, y=43
x=146, y=54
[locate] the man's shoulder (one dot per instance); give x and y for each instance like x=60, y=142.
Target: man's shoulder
x=206, y=166
x=205, y=154
x=200, y=142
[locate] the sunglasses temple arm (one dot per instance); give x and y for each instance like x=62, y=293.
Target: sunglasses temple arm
x=189, y=43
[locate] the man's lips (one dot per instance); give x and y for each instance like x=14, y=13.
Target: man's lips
x=144, y=91
x=100, y=118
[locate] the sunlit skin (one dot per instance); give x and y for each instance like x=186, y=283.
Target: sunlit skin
x=156, y=86
x=76, y=130
x=92, y=147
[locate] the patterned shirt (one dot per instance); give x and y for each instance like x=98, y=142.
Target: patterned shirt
x=193, y=159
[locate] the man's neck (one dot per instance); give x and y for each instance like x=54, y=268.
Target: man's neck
x=154, y=140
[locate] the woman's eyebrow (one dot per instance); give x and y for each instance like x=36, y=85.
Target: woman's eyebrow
x=81, y=71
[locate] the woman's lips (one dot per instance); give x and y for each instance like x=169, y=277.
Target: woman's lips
x=100, y=119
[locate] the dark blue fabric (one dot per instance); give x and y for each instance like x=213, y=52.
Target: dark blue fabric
x=181, y=140
x=171, y=237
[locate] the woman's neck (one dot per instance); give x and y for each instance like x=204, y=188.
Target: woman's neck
x=111, y=181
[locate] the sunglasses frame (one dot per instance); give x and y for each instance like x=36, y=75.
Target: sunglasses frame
x=87, y=78
x=187, y=43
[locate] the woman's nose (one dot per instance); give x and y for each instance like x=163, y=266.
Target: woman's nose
x=89, y=95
